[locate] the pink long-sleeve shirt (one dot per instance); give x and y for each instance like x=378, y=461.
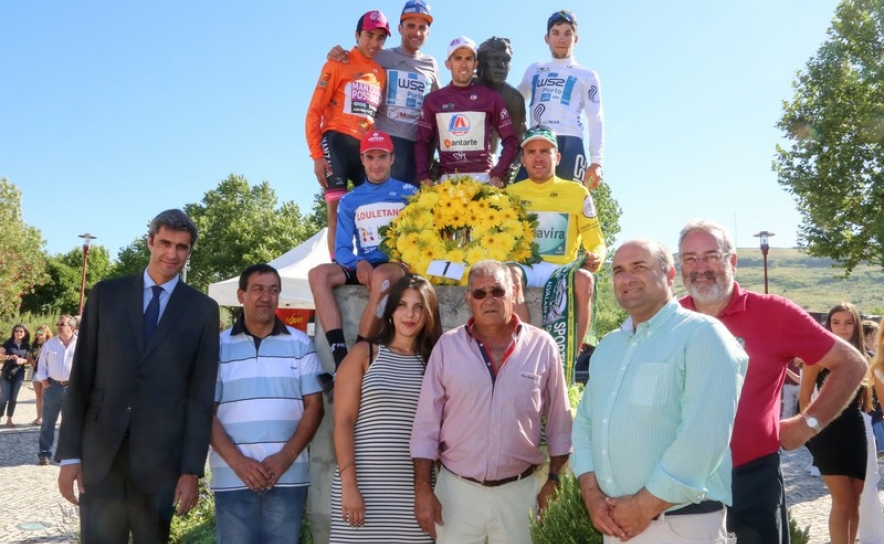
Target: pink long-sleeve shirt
x=491, y=430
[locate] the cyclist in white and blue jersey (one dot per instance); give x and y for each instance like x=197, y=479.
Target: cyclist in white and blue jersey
x=560, y=93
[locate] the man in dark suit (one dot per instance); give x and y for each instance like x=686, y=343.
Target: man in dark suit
x=137, y=416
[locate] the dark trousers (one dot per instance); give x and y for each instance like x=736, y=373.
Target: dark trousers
x=109, y=511
x=758, y=515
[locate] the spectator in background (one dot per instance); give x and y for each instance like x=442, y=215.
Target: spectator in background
x=791, y=388
x=839, y=450
x=41, y=336
x=14, y=352
x=54, y=371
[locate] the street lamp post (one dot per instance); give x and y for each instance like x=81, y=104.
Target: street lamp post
x=765, y=246
x=87, y=240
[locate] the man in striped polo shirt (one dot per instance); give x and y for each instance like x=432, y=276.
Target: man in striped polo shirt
x=268, y=407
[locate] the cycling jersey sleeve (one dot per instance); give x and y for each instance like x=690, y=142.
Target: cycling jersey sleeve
x=425, y=142
x=344, y=234
x=590, y=229
x=322, y=96
x=595, y=118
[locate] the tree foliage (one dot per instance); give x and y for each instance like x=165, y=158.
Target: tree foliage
x=61, y=292
x=21, y=252
x=240, y=225
x=835, y=121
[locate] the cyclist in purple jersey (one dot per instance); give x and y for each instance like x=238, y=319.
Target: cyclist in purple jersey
x=458, y=121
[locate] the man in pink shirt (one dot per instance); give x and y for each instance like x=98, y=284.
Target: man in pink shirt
x=487, y=386
x=773, y=330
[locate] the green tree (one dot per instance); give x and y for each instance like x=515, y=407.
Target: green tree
x=608, y=314
x=61, y=292
x=22, y=263
x=131, y=259
x=240, y=225
x=835, y=122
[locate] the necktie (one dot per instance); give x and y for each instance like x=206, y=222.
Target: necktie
x=152, y=314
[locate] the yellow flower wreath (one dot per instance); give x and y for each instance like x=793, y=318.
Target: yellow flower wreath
x=461, y=220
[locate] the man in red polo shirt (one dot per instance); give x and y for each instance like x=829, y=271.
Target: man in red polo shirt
x=773, y=331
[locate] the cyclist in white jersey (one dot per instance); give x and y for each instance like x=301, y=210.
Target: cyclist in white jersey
x=560, y=93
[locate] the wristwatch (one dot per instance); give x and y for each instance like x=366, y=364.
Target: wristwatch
x=552, y=476
x=812, y=422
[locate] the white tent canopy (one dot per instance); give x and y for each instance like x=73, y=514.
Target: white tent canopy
x=293, y=267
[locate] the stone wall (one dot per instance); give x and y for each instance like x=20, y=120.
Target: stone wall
x=351, y=300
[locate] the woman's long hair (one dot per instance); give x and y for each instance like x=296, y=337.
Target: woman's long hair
x=26, y=341
x=45, y=330
x=432, y=329
x=856, y=340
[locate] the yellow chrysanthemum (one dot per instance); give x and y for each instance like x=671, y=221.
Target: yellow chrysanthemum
x=460, y=220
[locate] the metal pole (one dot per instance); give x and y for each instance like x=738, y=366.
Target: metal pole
x=764, y=253
x=765, y=246
x=87, y=239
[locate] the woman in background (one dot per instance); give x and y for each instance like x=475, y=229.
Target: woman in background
x=15, y=353
x=377, y=389
x=840, y=449
x=41, y=336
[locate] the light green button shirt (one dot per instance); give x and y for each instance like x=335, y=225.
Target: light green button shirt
x=659, y=408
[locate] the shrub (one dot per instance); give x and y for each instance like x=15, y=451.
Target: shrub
x=566, y=520
x=796, y=535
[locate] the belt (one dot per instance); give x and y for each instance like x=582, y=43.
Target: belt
x=704, y=507
x=59, y=382
x=495, y=483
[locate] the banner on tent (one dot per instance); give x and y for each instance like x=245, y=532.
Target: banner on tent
x=297, y=318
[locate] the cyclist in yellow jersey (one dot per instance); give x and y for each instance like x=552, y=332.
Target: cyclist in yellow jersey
x=566, y=217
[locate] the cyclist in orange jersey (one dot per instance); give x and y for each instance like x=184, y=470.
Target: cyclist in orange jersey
x=343, y=108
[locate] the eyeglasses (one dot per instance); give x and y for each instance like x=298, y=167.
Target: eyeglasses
x=495, y=292
x=62, y=324
x=710, y=258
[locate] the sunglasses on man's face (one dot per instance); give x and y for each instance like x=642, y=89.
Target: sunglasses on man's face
x=495, y=292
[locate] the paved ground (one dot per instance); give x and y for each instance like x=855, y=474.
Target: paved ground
x=35, y=513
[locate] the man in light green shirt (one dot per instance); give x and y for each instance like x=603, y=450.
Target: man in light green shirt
x=652, y=431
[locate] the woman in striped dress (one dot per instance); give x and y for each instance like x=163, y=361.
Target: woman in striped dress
x=377, y=388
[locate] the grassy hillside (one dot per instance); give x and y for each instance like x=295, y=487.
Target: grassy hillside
x=813, y=283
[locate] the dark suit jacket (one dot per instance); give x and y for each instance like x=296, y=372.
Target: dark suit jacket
x=161, y=393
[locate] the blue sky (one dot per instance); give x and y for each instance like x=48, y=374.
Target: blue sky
x=112, y=111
